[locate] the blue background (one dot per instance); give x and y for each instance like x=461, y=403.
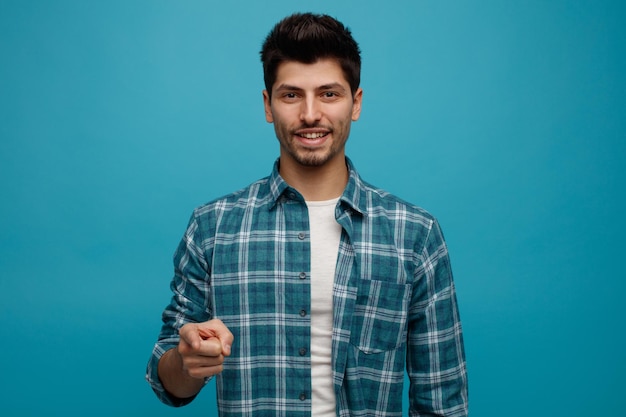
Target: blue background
x=505, y=119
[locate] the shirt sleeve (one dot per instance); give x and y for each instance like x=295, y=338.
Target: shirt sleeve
x=190, y=303
x=436, y=358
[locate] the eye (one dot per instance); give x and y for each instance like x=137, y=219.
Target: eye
x=330, y=95
x=289, y=96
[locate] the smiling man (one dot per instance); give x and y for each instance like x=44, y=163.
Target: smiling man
x=310, y=292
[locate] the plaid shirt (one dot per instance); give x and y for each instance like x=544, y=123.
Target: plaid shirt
x=245, y=259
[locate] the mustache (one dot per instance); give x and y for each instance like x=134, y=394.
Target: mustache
x=313, y=126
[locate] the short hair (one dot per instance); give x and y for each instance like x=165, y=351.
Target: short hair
x=307, y=38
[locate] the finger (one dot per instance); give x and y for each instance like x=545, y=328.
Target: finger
x=211, y=347
x=205, y=371
x=202, y=361
x=227, y=339
x=190, y=334
x=217, y=329
x=202, y=365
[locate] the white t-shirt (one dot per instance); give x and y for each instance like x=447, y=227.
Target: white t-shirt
x=325, y=236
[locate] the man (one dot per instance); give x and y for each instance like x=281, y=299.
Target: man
x=310, y=291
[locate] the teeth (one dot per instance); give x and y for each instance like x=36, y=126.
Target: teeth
x=312, y=135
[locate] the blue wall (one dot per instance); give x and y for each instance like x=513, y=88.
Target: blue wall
x=505, y=119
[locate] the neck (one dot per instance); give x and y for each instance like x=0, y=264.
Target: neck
x=316, y=183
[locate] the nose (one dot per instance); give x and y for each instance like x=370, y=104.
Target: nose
x=310, y=112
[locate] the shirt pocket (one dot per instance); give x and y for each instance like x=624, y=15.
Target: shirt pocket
x=380, y=315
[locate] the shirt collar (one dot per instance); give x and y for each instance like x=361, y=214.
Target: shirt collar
x=352, y=198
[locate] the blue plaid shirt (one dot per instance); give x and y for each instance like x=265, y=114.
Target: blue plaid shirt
x=245, y=258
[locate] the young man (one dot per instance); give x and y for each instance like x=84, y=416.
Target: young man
x=310, y=291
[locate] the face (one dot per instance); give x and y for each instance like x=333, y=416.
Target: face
x=312, y=107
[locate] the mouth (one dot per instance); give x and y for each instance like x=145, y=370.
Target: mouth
x=311, y=139
x=312, y=135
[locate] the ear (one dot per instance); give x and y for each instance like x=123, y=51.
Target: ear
x=268, y=108
x=356, y=104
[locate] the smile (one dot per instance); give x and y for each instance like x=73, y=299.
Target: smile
x=312, y=135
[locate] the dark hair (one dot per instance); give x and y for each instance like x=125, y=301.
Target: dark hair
x=306, y=38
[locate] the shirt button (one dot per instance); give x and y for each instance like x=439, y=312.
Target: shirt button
x=302, y=275
x=302, y=396
x=302, y=351
x=292, y=196
x=301, y=235
x=302, y=313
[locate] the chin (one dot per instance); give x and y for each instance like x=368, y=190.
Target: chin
x=312, y=161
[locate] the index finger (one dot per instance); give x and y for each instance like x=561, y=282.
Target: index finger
x=190, y=334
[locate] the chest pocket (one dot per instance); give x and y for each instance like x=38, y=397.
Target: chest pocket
x=380, y=316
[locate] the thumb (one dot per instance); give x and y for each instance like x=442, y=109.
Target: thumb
x=217, y=329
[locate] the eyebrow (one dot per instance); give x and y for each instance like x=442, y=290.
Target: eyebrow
x=331, y=86
x=287, y=87
x=324, y=87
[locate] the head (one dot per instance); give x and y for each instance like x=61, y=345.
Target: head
x=307, y=38
x=312, y=74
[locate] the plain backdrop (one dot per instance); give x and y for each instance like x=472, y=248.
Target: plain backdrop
x=505, y=119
